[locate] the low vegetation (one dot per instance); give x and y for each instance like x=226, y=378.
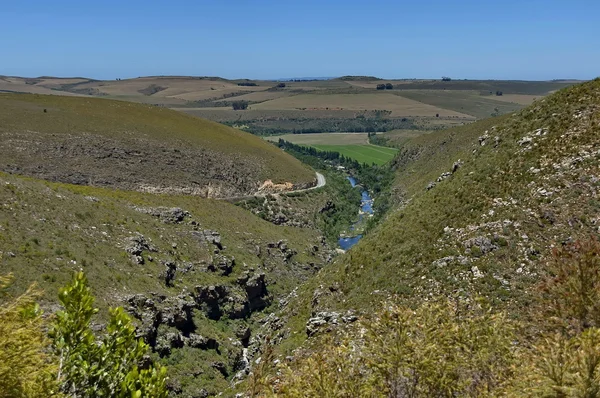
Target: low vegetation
x=136, y=147
x=82, y=366
x=448, y=348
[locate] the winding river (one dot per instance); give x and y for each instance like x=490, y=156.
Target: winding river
x=366, y=207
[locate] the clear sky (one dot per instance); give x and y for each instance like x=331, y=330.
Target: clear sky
x=502, y=39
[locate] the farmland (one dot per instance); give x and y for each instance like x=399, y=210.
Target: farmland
x=362, y=153
x=353, y=145
x=346, y=104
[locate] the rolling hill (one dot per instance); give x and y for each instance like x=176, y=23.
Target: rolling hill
x=132, y=146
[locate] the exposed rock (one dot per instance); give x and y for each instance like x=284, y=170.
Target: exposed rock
x=209, y=236
x=243, y=333
x=476, y=272
x=483, y=138
x=177, y=312
x=445, y=261
x=324, y=320
x=167, y=215
x=145, y=310
x=443, y=176
x=170, y=340
x=135, y=246
x=483, y=244
x=204, y=343
x=168, y=275
x=222, y=264
x=430, y=185
x=215, y=301
x=456, y=165
x=256, y=289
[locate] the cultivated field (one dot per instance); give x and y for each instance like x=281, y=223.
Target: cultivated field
x=362, y=153
x=352, y=145
x=465, y=101
x=399, y=106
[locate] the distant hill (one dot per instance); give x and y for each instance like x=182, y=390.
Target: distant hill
x=91, y=141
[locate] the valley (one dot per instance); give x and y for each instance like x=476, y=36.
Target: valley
x=229, y=248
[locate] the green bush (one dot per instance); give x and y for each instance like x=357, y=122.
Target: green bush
x=26, y=370
x=106, y=368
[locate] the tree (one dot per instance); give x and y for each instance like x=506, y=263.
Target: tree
x=281, y=85
x=446, y=79
x=106, y=368
x=26, y=369
x=239, y=105
x=389, y=86
x=381, y=87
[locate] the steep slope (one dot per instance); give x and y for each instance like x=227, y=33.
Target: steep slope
x=508, y=190
x=136, y=147
x=199, y=275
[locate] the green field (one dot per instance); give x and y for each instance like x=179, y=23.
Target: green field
x=362, y=153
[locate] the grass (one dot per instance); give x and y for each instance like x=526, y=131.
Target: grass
x=466, y=102
x=362, y=153
x=50, y=230
x=49, y=123
x=353, y=145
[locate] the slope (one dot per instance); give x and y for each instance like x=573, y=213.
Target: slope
x=199, y=275
x=137, y=147
x=483, y=206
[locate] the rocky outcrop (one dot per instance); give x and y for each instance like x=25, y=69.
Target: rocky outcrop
x=325, y=321
x=136, y=245
x=256, y=290
x=479, y=245
x=173, y=215
x=208, y=236
x=221, y=264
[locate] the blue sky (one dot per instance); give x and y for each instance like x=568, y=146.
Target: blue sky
x=505, y=39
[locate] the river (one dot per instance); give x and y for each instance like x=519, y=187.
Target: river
x=366, y=207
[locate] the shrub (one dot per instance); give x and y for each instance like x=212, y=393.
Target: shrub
x=239, y=105
x=26, y=370
x=106, y=368
x=571, y=294
x=438, y=350
x=389, y=86
x=381, y=87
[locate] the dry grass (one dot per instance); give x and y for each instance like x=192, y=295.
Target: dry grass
x=358, y=102
x=521, y=99
x=259, y=96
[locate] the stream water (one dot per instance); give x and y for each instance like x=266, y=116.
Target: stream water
x=366, y=207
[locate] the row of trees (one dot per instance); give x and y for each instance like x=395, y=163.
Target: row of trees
x=70, y=360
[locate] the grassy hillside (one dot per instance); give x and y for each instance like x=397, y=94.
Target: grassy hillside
x=133, y=146
x=161, y=257
x=522, y=184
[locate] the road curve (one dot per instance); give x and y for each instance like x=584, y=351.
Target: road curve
x=321, y=181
